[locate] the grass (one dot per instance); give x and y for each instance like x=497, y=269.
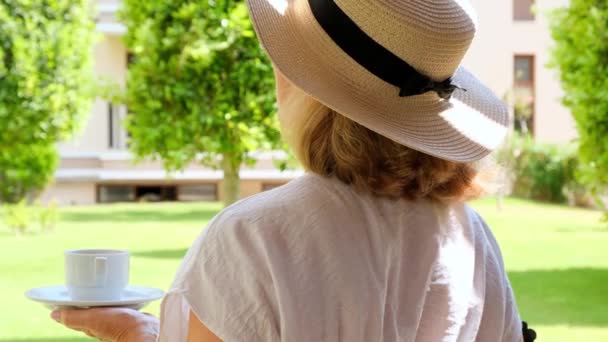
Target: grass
x=557, y=259
x=157, y=236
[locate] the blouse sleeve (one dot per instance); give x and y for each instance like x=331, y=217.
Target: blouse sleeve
x=225, y=281
x=512, y=323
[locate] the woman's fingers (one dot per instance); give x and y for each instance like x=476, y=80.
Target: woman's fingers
x=106, y=324
x=110, y=324
x=76, y=319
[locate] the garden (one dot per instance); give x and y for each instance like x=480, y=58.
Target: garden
x=549, y=220
x=555, y=256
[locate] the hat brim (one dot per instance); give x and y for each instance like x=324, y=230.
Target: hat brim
x=465, y=128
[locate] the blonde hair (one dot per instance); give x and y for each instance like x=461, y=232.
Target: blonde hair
x=332, y=145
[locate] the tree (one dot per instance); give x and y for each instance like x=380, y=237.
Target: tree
x=46, y=79
x=200, y=88
x=25, y=169
x=580, y=31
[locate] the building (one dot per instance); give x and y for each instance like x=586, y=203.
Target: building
x=509, y=54
x=97, y=167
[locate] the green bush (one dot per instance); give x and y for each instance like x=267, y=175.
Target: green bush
x=21, y=216
x=18, y=216
x=25, y=169
x=580, y=52
x=544, y=172
x=47, y=216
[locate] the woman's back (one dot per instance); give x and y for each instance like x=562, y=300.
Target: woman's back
x=316, y=261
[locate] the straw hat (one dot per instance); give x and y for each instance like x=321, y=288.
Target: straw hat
x=393, y=66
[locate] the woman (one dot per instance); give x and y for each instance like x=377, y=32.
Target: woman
x=375, y=243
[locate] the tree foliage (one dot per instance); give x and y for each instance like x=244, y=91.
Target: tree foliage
x=580, y=31
x=45, y=87
x=25, y=169
x=199, y=85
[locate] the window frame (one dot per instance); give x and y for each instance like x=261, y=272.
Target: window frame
x=527, y=84
x=216, y=191
x=99, y=186
x=532, y=60
x=521, y=14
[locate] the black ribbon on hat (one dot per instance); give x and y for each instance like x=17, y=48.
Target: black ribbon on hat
x=374, y=57
x=444, y=89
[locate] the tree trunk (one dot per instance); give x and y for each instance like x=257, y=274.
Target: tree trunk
x=232, y=181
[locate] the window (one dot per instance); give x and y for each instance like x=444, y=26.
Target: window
x=155, y=193
x=523, y=93
x=134, y=192
x=197, y=192
x=130, y=58
x=523, y=10
x=117, y=138
x=111, y=126
x=115, y=193
x=524, y=70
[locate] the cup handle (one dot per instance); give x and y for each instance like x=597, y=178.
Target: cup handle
x=101, y=271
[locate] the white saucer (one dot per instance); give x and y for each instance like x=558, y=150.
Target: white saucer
x=135, y=297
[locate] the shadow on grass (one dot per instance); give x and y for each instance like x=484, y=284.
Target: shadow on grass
x=600, y=230
x=140, y=215
x=162, y=254
x=48, y=339
x=570, y=297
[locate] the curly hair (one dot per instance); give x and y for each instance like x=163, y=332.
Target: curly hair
x=330, y=144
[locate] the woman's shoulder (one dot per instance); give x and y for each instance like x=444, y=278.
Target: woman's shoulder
x=246, y=229
x=302, y=196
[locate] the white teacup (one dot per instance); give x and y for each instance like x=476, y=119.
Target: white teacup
x=96, y=274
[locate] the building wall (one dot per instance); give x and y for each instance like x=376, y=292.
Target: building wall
x=499, y=39
x=70, y=193
x=108, y=2
x=250, y=187
x=110, y=64
x=66, y=193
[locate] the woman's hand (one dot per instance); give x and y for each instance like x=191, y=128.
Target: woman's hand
x=110, y=324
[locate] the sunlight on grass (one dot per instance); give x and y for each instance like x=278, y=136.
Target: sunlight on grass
x=557, y=262
x=156, y=234
x=556, y=257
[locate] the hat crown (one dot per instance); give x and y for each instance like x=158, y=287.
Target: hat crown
x=431, y=35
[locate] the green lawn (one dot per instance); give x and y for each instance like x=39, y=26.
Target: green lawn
x=557, y=260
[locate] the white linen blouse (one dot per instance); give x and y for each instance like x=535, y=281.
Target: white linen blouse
x=316, y=261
